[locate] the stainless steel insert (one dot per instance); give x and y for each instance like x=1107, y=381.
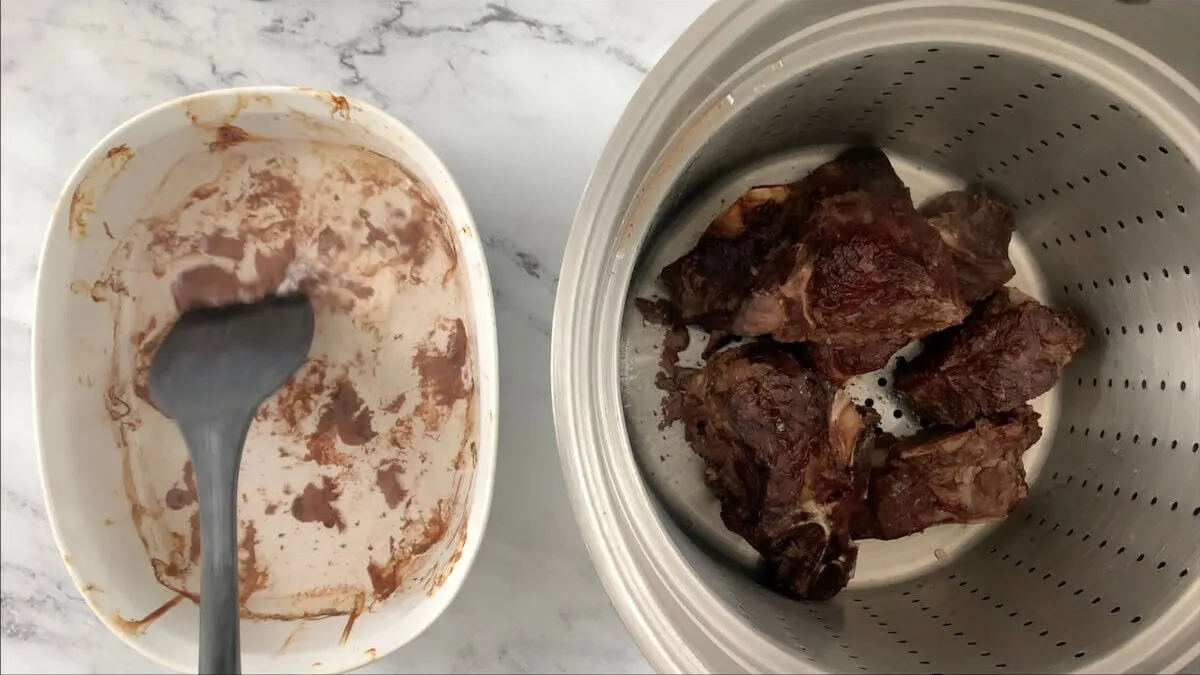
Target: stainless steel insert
x=1087, y=117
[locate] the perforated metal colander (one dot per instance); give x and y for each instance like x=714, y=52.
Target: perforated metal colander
x=1086, y=116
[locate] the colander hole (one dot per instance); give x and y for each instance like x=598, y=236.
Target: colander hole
x=1183, y=573
x=1060, y=643
x=1080, y=655
x=1115, y=610
x=1136, y=619
x=1174, y=506
x=1141, y=557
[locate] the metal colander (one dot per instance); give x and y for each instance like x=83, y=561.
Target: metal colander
x=1084, y=115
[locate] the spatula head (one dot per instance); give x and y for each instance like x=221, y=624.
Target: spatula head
x=217, y=361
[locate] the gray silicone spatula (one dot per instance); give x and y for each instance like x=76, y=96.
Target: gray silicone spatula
x=210, y=374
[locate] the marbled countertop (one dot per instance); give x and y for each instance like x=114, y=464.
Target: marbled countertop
x=517, y=97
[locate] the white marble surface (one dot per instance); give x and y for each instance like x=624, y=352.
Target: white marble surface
x=517, y=97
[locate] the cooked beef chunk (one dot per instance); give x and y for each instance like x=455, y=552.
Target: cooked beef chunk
x=838, y=365
x=1010, y=350
x=955, y=476
x=710, y=283
x=977, y=228
x=786, y=457
x=866, y=272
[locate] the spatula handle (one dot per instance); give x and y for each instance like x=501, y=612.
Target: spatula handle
x=216, y=450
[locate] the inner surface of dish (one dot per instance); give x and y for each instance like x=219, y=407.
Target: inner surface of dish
x=354, y=477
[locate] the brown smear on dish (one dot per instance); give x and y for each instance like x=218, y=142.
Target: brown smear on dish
x=315, y=504
x=251, y=577
x=135, y=627
x=184, y=495
x=343, y=418
x=388, y=480
x=228, y=136
x=360, y=603
x=375, y=430
x=94, y=185
x=441, y=368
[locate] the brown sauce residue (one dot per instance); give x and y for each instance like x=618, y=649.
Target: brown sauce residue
x=316, y=504
x=227, y=136
x=675, y=342
x=272, y=268
x=182, y=496
x=224, y=246
x=297, y=399
x=388, y=480
x=146, y=341
x=135, y=627
x=360, y=603
x=194, y=541
x=95, y=185
x=251, y=577
x=268, y=188
x=449, y=569
x=345, y=417
x=387, y=578
x=206, y=286
x=396, y=404
x=340, y=105
x=442, y=375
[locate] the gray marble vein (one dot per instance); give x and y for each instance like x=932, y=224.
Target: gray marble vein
x=517, y=97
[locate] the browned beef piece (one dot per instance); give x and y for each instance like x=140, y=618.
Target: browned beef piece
x=950, y=476
x=866, y=272
x=838, y=365
x=1010, y=350
x=786, y=457
x=710, y=283
x=977, y=228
